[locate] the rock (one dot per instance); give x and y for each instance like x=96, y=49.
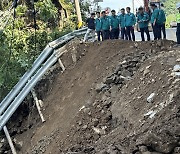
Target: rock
x=176, y=68
x=101, y=131
x=110, y=79
x=136, y=45
x=126, y=73
x=150, y=99
x=159, y=43
x=176, y=150
x=85, y=127
x=100, y=87
x=95, y=122
x=146, y=71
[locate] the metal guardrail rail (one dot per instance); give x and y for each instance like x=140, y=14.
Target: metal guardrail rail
x=28, y=81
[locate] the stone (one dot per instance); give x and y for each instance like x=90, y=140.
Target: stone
x=146, y=71
x=100, y=87
x=176, y=150
x=126, y=73
x=95, y=122
x=176, y=68
x=150, y=99
x=85, y=127
x=110, y=80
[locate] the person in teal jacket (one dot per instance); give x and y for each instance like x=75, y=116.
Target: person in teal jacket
x=178, y=24
x=105, y=26
x=114, y=25
x=162, y=21
x=143, y=21
x=98, y=26
x=122, y=24
x=130, y=21
x=155, y=23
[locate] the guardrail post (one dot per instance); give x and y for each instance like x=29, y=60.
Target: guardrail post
x=9, y=140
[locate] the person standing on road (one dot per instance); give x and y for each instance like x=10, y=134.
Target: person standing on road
x=162, y=18
x=105, y=26
x=122, y=24
x=98, y=26
x=91, y=27
x=130, y=21
x=143, y=21
x=114, y=25
x=178, y=24
x=154, y=19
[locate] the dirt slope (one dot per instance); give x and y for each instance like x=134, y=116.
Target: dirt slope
x=98, y=105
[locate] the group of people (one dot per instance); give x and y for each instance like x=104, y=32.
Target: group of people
x=115, y=26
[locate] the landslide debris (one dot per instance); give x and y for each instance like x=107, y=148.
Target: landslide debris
x=115, y=97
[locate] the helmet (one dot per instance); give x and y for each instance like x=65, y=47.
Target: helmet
x=178, y=5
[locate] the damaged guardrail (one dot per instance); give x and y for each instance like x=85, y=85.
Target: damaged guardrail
x=28, y=81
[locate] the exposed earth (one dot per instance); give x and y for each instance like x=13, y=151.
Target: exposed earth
x=115, y=97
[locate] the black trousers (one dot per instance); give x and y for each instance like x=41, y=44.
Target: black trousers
x=178, y=33
x=105, y=34
x=129, y=32
x=99, y=34
x=145, y=30
x=123, y=34
x=115, y=33
x=156, y=31
x=163, y=29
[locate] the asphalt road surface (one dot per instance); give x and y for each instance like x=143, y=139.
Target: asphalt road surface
x=170, y=32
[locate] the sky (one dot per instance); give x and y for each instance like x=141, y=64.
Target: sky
x=117, y=4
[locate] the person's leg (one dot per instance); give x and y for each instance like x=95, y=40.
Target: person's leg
x=106, y=34
x=147, y=33
x=122, y=33
x=87, y=34
x=125, y=34
x=99, y=35
x=178, y=33
x=93, y=35
x=164, y=31
x=113, y=31
x=103, y=35
x=158, y=27
x=128, y=32
x=154, y=32
x=132, y=32
x=117, y=33
x=142, y=33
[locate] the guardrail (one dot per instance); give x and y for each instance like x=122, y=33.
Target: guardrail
x=28, y=81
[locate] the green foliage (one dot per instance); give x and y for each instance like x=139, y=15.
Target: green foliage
x=170, y=9
x=47, y=11
x=169, y=19
x=170, y=6
x=23, y=51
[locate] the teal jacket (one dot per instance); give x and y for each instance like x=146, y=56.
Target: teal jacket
x=105, y=23
x=98, y=24
x=161, y=17
x=130, y=19
x=122, y=20
x=143, y=20
x=114, y=22
x=154, y=15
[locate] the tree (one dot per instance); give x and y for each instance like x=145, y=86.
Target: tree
x=170, y=6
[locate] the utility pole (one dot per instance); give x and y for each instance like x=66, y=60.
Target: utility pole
x=78, y=11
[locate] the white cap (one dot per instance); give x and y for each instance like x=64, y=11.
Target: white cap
x=178, y=5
